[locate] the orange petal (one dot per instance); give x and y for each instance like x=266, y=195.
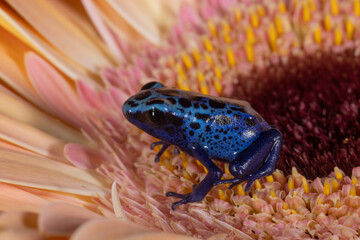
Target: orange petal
x=63, y=32
x=16, y=220
x=62, y=219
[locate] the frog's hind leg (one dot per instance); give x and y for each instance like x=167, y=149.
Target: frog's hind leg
x=200, y=190
x=162, y=150
x=258, y=160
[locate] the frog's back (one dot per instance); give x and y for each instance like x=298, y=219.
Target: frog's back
x=222, y=127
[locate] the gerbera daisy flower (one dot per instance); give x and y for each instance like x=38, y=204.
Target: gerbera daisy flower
x=71, y=163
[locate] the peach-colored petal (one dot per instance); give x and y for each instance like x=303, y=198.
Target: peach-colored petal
x=31, y=138
x=20, y=234
x=51, y=175
x=94, y=15
x=84, y=157
x=145, y=16
x=16, y=220
x=56, y=27
x=18, y=109
x=120, y=229
x=16, y=199
x=62, y=219
x=53, y=89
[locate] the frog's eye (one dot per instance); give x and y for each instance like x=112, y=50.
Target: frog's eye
x=152, y=85
x=155, y=117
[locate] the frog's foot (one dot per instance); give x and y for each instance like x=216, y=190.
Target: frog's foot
x=162, y=150
x=186, y=198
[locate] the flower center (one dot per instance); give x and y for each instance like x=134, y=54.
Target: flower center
x=314, y=101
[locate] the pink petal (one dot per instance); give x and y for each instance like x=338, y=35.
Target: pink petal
x=62, y=219
x=54, y=89
x=85, y=157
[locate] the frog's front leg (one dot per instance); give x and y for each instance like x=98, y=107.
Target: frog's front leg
x=162, y=150
x=200, y=190
x=258, y=160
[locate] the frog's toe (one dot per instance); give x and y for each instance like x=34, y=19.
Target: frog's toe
x=177, y=195
x=176, y=151
x=154, y=144
x=175, y=204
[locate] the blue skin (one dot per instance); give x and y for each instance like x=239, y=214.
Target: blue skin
x=207, y=128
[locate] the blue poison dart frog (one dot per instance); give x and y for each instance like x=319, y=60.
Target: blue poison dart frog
x=207, y=128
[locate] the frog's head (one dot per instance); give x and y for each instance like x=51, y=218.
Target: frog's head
x=152, y=112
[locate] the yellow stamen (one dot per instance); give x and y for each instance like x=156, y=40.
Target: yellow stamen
x=180, y=71
x=291, y=183
x=317, y=34
x=187, y=61
x=226, y=27
x=249, y=51
x=272, y=37
x=338, y=173
x=282, y=7
x=222, y=195
x=238, y=14
x=226, y=168
x=295, y=193
x=337, y=36
x=203, y=86
x=293, y=211
x=279, y=25
x=272, y=193
x=354, y=180
x=258, y=184
x=352, y=191
x=227, y=37
x=305, y=185
x=167, y=154
x=306, y=12
x=312, y=5
x=285, y=206
x=230, y=57
x=260, y=10
x=334, y=7
x=255, y=196
x=187, y=175
x=185, y=162
x=269, y=178
x=327, y=188
x=240, y=190
x=335, y=185
x=182, y=84
x=349, y=29
x=217, y=80
x=254, y=19
x=201, y=166
x=327, y=22
x=250, y=35
x=169, y=166
x=357, y=7
x=196, y=55
x=207, y=43
x=208, y=58
x=212, y=28
x=319, y=201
